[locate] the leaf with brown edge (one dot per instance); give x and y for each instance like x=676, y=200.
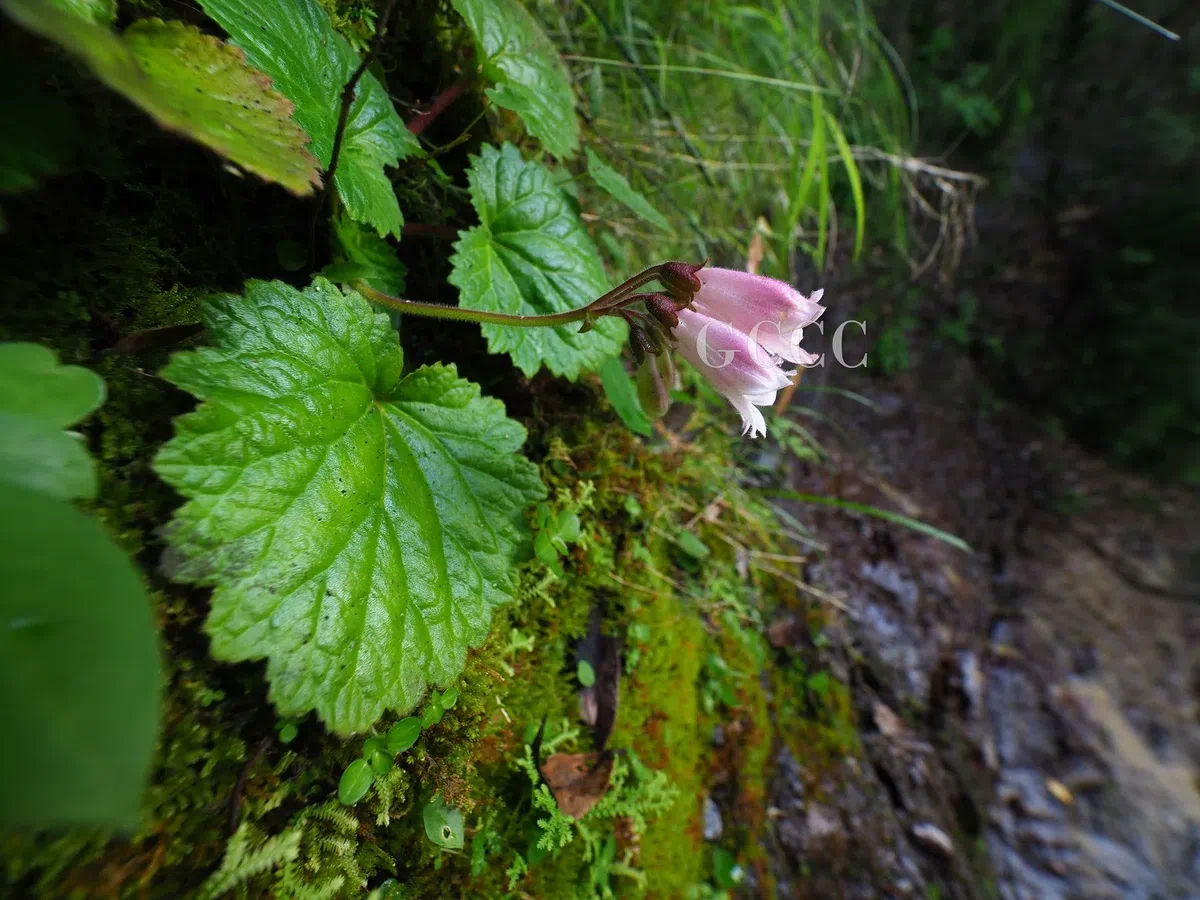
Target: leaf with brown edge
x=190, y=83
x=578, y=780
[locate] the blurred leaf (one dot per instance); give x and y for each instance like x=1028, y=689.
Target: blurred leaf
x=79, y=669
x=38, y=399
x=691, y=545
x=294, y=42
x=530, y=256
x=102, y=12
x=569, y=526
x=291, y=255
x=530, y=78
x=585, y=673
x=190, y=83
x=616, y=184
x=726, y=872
x=383, y=514
x=622, y=394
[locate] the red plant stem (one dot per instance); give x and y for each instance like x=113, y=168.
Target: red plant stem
x=421, y=121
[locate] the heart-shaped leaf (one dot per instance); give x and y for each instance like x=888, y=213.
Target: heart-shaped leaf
x=531, y=256
x=294, y=42
x=358, y=527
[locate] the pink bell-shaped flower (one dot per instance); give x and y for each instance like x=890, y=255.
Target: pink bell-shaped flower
x=771, y=312
x=738, y=367
x=738, y=331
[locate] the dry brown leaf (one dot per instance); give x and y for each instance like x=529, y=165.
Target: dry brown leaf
x=578, y=780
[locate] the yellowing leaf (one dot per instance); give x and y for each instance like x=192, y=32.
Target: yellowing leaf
x=190, y=83
x=294, y=42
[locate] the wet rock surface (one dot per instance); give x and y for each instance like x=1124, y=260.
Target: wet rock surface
x=1029, y=713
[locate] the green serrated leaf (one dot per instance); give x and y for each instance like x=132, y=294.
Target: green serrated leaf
x=622, y=394
x=190, y=83
x=531, y=255
x=358, y=527
x=38, y=399
x=531, y=79
x=294, y=42
x=375, y=258
x=79, y=669
x=618, y=186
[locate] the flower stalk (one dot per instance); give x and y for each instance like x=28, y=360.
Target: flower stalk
x=606, y=304
x=737, y=329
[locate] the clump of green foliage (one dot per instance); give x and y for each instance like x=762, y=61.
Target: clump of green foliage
x=135, y=262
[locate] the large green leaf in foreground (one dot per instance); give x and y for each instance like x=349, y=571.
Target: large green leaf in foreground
x=294, y=42
x=530, y=78
x=358, y=527
x=79, y=676
x=190, y=83
x=531, y=256
x=79, y=670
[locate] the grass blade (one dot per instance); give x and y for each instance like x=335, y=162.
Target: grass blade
x=885, y=515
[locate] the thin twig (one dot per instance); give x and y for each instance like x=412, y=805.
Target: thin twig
x=235, y=799
x=349, y=89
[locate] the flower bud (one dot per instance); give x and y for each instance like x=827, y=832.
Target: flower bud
x=640, y=343
x=655, y=380
x=664, y=309
x=680, y=280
